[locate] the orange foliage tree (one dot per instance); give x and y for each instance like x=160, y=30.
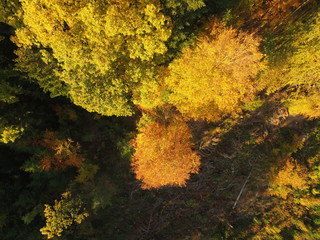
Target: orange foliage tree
x=163, y=155
x=62, y=153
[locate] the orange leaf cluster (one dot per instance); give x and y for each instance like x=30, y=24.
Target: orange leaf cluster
x=163, y=155
x=64, y=153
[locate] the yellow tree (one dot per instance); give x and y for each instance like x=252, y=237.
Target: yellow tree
x=64, y=213
x=290, y=178
x=212, y=78
x=95, y=52
x=163, y=155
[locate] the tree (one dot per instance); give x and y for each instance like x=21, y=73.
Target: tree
x=113, y=45
x=62, y=215
x=290, y=178
x=163, y=155
x=212, y=78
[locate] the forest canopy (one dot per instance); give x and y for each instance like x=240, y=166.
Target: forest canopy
x=113, y=47
x=159, y=119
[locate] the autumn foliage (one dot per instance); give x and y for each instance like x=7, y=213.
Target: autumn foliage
x=300, y=74
x=211, y=79
x=62, y=215
x=113, y=43
x=291, y=177
x=163, y=155
x=63, y=153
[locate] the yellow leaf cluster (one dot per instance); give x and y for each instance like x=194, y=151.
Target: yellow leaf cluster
x=100, y=49
x=62, y=215
x=309, y=106
x=310, y=202
x=292, y=177
x=10, y=133
x=211, y=79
